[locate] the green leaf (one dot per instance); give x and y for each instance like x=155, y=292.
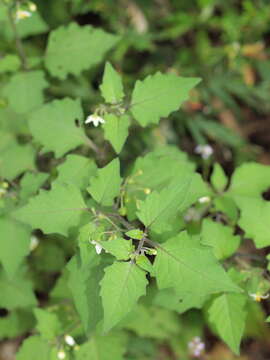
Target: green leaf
x=9, y=63
x=219, y=179
x=168, y=299
x=73, y=48
x=190, y=268
x=14, y=244
x=16, y=292
x=106, y=185
x=54, y=211
x=227, y=314
x=49, y=257
x=220, y=238
x=76, y=170
x=116, y=130
x=111, y=87
x=15, y=158
x=119, y=247
x=254, y=220
x=135, y=234
x=159, y=208
x=153, y=322
x=111, y=346
x=154, y=171
x=84, y=285
x=250, y=180
x=16, y=323
x=32, y=346
x=248, y=183
x=158, y=95
x=30, y=184
x=53, y=125
x=25, y=91
x=123, y=284
x=144, y=263
x=48, y=324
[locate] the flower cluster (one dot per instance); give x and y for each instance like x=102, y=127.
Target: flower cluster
x=196, y=347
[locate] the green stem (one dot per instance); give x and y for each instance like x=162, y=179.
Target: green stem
x=18, y=42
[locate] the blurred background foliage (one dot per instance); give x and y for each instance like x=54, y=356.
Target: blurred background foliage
x=226, y=43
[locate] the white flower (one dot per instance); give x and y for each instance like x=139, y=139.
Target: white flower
x=196, y=346
x=33, y=243
x=97, y=246
x=259, y=297
x=95, y=119
x=61, y=355
x=204, y=200
x=70, y=340
x=204, y=150
x=22, y=14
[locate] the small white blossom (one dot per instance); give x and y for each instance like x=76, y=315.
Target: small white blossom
x=34, y=241
x=196, y=346
x=22, y=14
x=97, y=246
x=204, y=200
x=259, y=297
x=70, y=340
x=61, y=355
x=95, y=119
x=204, y=150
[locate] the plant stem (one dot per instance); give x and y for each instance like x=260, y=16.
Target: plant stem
x=18, y=42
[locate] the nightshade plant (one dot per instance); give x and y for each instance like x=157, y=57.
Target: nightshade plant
x=144, y=239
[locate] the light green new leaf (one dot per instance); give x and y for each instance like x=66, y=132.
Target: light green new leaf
x=179, y=195
x=119, y=247
x=116, y=130
x=135, y=234
x=220, y=238
x=219, y=179
x=48, y=324
x=14, y=244
x=53, y=125
x=33, y=346
x=73, y=48
x=188, y=267
x=123, y=284
x=16, y=292
x=228, y=315
x=84, y=285
x=111, y=346
x=111, y=87
x=15, y=159
x=158, y=95
x=25, y=91
x=54, y=211
x=76, y=170
x=106, y=185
